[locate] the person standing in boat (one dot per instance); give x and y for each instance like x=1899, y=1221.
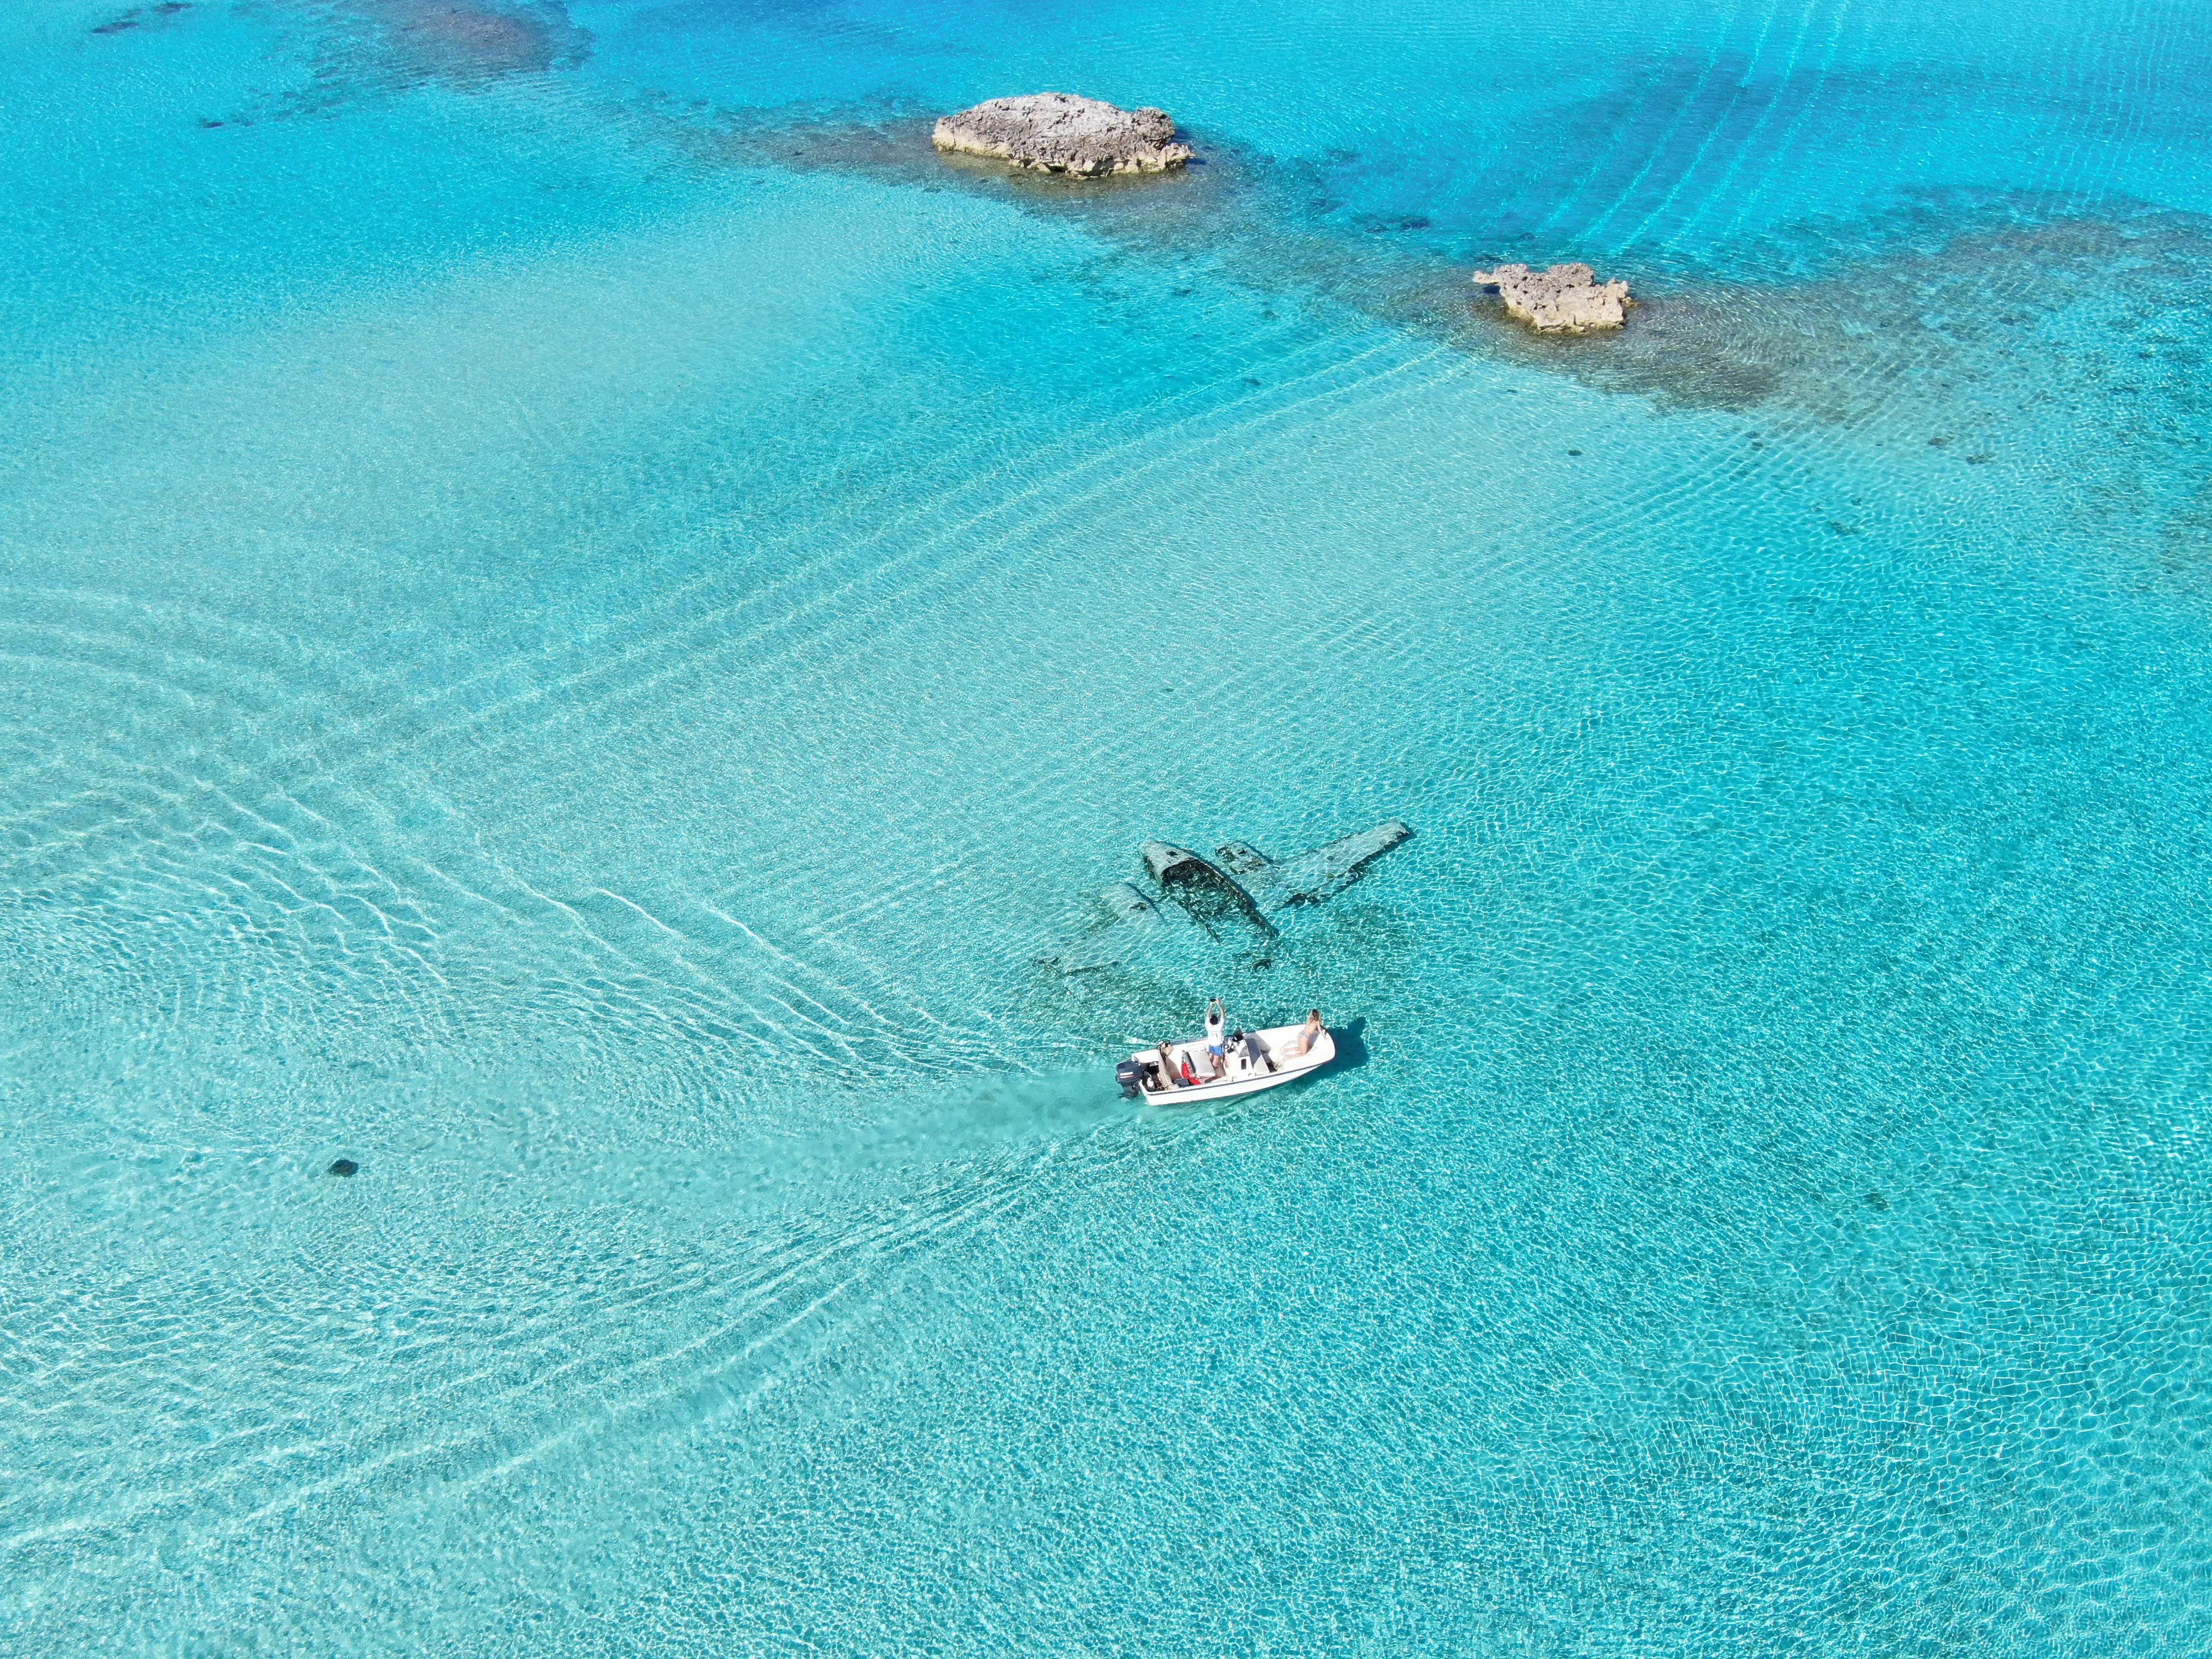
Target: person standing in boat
x=1217, y=1037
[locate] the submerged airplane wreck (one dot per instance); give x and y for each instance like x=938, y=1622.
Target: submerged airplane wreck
x=1236, y=893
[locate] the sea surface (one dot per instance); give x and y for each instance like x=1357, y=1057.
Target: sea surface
x=581, y=620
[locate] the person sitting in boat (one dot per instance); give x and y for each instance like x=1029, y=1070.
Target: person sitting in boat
x=1309, y=1034
x=1189, y=1073
x=1170, y=1077
x=1217, y=1042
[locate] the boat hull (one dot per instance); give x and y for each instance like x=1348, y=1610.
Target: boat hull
x=1243, y=1078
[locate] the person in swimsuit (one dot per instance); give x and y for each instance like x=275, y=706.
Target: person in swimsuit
x=1170, y=1079
x=1303, y=1043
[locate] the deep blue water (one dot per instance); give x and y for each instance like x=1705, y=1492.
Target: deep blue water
x=577, y=613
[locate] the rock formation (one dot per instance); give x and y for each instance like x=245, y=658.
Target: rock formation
x=1565, y=298
x=1055, y=132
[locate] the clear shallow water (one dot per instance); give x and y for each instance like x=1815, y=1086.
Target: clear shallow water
x=574, y=618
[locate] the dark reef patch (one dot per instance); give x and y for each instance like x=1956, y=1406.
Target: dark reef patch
x=439, y=40
x=373, y=47
x=140, y=17
x=1970, y=318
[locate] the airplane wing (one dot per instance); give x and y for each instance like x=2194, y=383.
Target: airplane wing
x=1310, y=877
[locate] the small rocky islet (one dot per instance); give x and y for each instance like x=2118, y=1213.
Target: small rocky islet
x=1059, y=132
x=1565, y=299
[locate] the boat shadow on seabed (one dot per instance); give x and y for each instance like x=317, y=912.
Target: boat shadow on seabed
x=1350, y=1048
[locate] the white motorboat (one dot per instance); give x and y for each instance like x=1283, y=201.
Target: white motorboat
x=1244, y=1075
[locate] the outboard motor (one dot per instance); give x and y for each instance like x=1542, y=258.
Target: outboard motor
x=1130, y=1074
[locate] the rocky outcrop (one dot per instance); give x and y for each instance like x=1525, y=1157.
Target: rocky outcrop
x=1565, y=298
x=1056, y=133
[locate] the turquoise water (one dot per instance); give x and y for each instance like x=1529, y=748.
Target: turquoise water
x=577, y=614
